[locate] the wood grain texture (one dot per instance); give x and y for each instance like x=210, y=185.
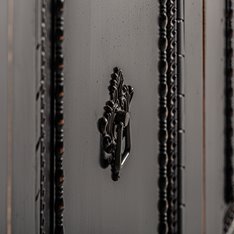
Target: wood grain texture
x=24, y=127
x=215, y=116
x=193, y=121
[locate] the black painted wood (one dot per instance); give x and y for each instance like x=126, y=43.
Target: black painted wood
x=228, y=91
x=229, y=195
x=172, y=117
x=58, y=79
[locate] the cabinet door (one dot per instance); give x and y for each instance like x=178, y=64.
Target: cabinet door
x=99, y=36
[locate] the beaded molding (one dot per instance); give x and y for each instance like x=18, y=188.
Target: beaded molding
x=59, y=113
x=43, y=118
x=171, y=95
x=163, y=119
x=172, y=118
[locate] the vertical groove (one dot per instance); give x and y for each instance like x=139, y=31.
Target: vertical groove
x=59, y=113
x=204, y=118
x=10, y=114
x=180, y=113
x=52, y=119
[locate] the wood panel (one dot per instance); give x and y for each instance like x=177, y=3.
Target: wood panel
x=215, y=80
x=194, y=155
x=24, y=117
x=100, y=35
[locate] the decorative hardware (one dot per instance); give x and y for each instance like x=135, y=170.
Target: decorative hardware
x=58, y=65
x=115, y=123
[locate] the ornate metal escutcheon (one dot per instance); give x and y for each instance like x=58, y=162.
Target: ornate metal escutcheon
x=114, y=126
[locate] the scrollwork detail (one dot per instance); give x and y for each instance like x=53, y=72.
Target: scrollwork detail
x=116, y=115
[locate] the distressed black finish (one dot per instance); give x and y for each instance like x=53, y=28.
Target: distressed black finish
x=50, y=97
x=44, y=144
x=228, y=218
x=170, y=116
x=228, y=183
x=114, y=126
x=228, y=104
x=58, y=66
